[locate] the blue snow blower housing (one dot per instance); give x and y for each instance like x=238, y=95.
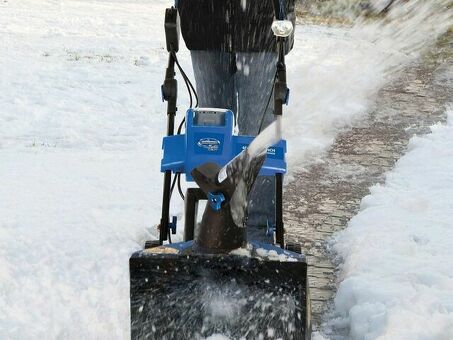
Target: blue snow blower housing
x=209, y=137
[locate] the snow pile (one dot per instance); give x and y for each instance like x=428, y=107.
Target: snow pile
x=335, y=73
x=68, y=224
x=80, y=133
x=397, y=275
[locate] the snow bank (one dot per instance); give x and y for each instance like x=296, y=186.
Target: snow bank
x=81, y=122
x=69, y=221
x=397, y=274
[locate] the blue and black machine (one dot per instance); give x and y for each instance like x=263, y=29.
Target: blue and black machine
x=216, y=281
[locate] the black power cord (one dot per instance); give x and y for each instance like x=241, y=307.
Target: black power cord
x=190, y=89
x=189, y=84
x=173, y=184
x=181, y=125
x=179, y=187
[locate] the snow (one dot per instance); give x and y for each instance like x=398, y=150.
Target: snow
x=268, y=137
x=69, y=222
x=272, y=255
x=244, y=251
x=218, y=337
x=81, y=125
x=397, y=270
x=335, y=73
x=81, y=122
x=257, y=250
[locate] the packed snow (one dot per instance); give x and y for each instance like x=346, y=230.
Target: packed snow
x=81, y=124
x=397, y=271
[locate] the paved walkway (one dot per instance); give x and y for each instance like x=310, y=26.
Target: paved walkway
x=321, y=201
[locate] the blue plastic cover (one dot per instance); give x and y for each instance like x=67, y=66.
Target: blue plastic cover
x=214, y=143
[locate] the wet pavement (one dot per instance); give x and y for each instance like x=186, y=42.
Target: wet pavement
x=321, y=201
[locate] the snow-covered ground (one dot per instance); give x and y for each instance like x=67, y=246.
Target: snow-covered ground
x=397, y=271
x=81, y=122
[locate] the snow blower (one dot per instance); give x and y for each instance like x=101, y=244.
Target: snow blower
x=216, y=281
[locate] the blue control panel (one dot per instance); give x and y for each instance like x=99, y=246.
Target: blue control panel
x=209, y=138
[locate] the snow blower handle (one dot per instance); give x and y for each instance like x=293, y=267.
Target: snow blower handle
x=172, y=29
x=281, y=91
x=282, y=29
x=170, y=95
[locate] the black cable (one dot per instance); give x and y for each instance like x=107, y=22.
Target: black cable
x=177, y=179
x=186, y=78
x=181, y=125
x=190, y=89
x=179, y=187
x=267, y=105
x=173, y=185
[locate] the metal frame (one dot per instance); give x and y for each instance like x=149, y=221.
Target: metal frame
x=169, y=94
